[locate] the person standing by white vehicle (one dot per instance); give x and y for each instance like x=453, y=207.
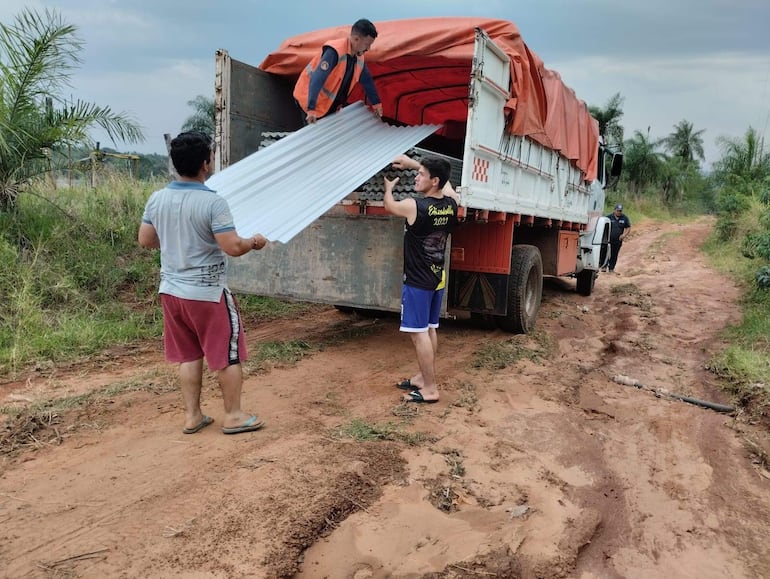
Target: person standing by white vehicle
x=620, y=225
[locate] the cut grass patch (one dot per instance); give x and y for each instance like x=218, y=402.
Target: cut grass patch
x=362, y=431
x=496, y=355
x=262, y=308
x=32, y=426
x=631, y=295
x=277, y=354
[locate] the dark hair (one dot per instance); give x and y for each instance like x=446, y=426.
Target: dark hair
x=188, y=152
x=364, y=27
x=438, y=168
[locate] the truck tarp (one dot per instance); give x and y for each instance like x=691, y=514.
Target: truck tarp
x=422, y=68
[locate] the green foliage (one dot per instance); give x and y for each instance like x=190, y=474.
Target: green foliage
x=730, y=205
x=643, y=165
x=609, y=118
x=756, y=244
x=37, y=56
x=740, y=241
x=75, y=280
x=685, y=143
x=202, y=119
x=743, y=159
x=763, y=277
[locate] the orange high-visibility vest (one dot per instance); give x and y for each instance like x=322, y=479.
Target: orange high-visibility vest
x=333, y=81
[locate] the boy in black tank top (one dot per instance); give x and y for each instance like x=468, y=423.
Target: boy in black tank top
x=429, y=221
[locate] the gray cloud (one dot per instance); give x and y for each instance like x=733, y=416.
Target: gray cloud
x=705, y=61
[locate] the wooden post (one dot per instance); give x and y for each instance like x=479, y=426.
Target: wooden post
x=171, y=171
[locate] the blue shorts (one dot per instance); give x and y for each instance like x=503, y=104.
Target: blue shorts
x=420, y=308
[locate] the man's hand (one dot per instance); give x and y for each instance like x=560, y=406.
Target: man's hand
x=378, y=109
x=258, y=241
x=404, y=162
x=390, y=184
x=311, y=117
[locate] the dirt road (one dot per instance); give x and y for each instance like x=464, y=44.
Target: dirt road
x=535, y=463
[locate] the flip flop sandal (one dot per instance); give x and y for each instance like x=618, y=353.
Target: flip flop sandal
x=200, y=426
x=250, y=425
x=416, y=396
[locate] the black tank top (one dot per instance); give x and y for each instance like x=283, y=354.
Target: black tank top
x=425, y=242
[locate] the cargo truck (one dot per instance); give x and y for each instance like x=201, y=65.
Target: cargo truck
x=526, y=155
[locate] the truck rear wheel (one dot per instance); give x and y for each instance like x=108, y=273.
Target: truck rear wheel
x=585, y=282
x=525, y=290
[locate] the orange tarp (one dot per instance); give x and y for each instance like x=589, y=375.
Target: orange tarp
x=422, y=70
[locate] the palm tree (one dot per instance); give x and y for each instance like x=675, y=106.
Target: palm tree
x=685, y=142
x=37, y=56
x=743, y=159
x=202, y=119
x=609, y=117
x=642, y=165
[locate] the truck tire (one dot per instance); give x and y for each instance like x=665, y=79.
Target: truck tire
x=585, y=282
x=525, y=290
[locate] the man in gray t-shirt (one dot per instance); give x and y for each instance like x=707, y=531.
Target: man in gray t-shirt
x=193, y=228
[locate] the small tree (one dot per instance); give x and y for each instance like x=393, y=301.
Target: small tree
x=643, y=165
x=37, y=56
x=202, y=119
x=744, y=162
x=608, y=118
x=685, y=142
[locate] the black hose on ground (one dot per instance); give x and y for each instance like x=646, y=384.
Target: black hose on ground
x=663, y=393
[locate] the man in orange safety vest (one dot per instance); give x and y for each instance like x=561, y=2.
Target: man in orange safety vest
x=326, y=82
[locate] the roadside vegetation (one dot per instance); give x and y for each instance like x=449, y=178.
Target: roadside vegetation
x=740, y=247
x=663, y=179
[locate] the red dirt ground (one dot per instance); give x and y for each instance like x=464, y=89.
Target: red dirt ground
x=543, y=468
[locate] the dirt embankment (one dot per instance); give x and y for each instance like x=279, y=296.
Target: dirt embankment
x=534, y=464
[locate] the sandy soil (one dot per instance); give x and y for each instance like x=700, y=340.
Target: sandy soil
x=544, y=468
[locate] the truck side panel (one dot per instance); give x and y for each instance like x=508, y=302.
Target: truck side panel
x=248, y=102
x=339, y=259
x=507, y=173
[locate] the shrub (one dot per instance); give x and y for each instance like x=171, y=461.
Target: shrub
x=763, y=277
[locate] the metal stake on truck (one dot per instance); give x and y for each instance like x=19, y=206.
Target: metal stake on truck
x=530, y=164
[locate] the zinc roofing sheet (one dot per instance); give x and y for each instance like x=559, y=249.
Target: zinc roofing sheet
x=281, y=189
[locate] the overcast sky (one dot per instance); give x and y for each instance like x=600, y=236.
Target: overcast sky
x=706, y=61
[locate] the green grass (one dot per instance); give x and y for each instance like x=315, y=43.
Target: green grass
x=75, y=281
x=743, y=367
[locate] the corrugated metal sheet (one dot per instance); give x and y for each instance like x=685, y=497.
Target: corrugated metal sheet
x=281, y=189
x=374, y=188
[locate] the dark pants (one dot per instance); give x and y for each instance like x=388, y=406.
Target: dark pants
x=615, y=246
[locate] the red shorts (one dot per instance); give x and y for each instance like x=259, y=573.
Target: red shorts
x=193, y=329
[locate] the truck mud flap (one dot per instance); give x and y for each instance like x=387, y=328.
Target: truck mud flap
x=478, y=292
